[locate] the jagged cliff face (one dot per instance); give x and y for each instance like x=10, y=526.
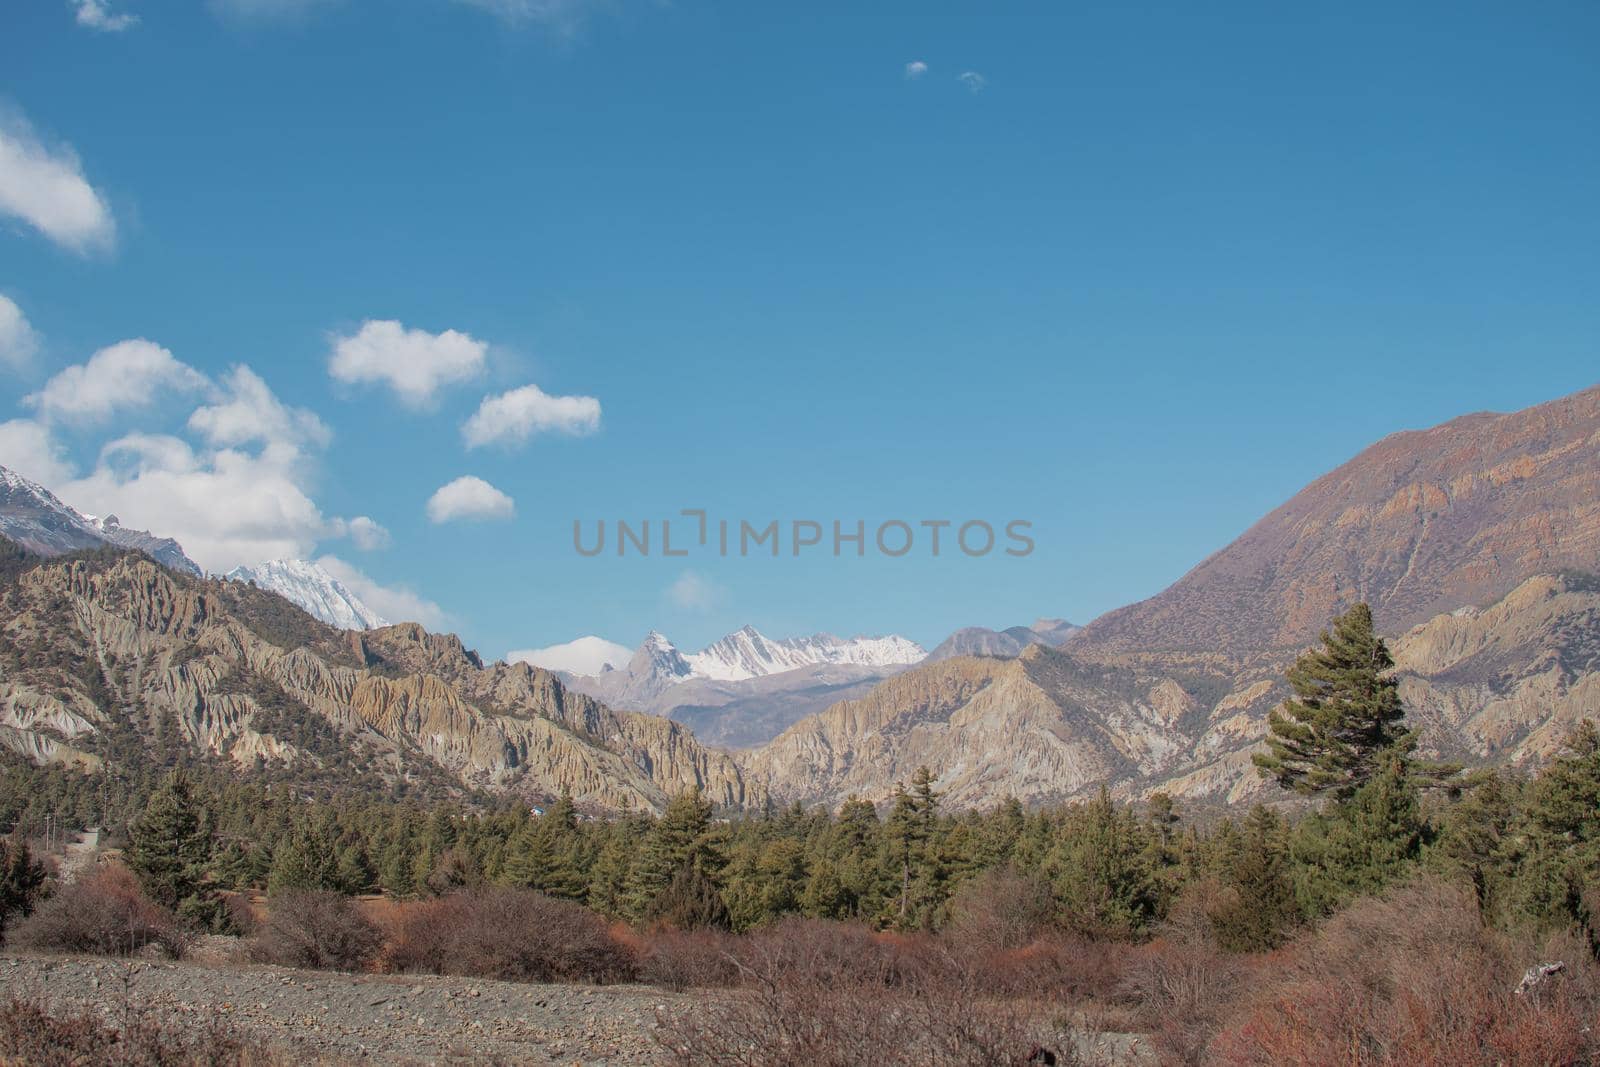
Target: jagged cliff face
x=1419, y=524
x=88, y=645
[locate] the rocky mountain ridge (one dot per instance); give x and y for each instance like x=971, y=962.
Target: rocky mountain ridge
x=93, y=648
x=33, y=517
x=1419, y=524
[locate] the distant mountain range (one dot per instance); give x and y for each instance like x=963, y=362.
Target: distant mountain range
x=31, y=516
x=1476, y=542
x=746, y=687
x=309, y=586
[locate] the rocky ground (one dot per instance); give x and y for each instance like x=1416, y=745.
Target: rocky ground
x=340, y=1018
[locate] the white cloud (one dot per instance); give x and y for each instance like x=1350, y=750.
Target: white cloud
x=469, y=498
x=227, y=508
x=97, y=15
x=513, y=417
x=128, y=374
x=916, y=69
x=585, y=656
x=245, y=411
x=45, y=188
x=237, y=492
x=27, y=448
x=367, y=534
x=973, y=80
x=694, y=592
x=19, y=342
x=394, y=602
x=414, y=363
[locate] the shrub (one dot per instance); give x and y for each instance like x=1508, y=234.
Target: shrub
x=511, y=934
x=1181, y=991
x=317, y=929
x=690, y=959
x=1413, y=977
x=104, y=913
x=33, y=1034
x=1001, y=909
x=831, y=995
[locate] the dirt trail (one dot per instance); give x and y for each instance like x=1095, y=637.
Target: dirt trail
x=375, y=1018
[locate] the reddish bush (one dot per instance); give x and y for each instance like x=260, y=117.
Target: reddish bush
x=319, y=930
x=690, y=959
x=105, y=913
x=999, y=910
x=1411, y=978
x=511, y=934
x=1181, y=991
x=831, y=995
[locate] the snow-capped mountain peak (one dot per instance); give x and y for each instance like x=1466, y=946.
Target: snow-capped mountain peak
x=36, y=519
x=748, y=653
x=304, y=583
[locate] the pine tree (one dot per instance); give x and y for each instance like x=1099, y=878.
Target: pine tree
x=1363, y=844
x=680, y=838
x=1345, y=717
x=168, y=845
x=21, y=877
x=1260, y=904
x=1100, y=870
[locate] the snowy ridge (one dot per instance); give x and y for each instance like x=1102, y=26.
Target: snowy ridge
x=314, y=589
x=35, y=518
x=747, y=653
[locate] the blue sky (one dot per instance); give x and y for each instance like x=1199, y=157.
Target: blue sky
x=1149, y=271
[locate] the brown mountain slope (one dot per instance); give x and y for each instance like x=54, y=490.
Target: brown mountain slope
x=98, y=654
x=1039, y=727
x=1422, y=522
x=1504, y=683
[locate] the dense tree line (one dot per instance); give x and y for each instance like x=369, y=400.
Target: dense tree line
x=1529, y=847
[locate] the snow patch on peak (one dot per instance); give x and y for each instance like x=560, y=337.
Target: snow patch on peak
x=748, y=653
x=303, y=583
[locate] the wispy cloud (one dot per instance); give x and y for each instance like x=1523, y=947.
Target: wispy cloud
x=562, y=15
x=916, y=69
x=694, y=592
x=19, y=341
x=97, y=15
x=394, y=602
x=974, y=81
x=265, y=10
x=44, y=186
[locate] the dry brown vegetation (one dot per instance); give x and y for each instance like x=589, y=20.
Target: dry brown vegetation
x=32, y=1033
x=835, y=995
x=1412, y=976
x=318, y=930
x=104, y=913
x=509, y=934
